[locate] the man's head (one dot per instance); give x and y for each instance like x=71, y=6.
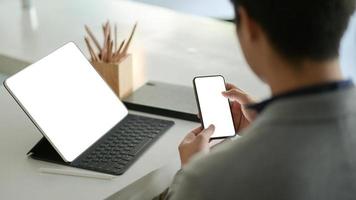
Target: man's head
x=295, y=30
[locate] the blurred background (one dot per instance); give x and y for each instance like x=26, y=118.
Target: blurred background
x=348, y=50
x=220, y=9
x=171, y=32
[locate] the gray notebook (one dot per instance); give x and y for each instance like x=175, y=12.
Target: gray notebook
x=164, y=99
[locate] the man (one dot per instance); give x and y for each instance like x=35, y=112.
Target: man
x=301, y=143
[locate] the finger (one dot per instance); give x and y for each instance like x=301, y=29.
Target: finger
x=234, y=90
x=235, y=95
x=238, y=96
x=189, y=137
x=210, y=131
x=199, y=116
x=207, y=133
x=198, y=130
x=230, y=86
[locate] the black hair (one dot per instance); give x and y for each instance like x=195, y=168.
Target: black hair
x=301, y=29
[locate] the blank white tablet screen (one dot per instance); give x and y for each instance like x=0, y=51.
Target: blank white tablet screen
x=68, y=100
x=214, y=107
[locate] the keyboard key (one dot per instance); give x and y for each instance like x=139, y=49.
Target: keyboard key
x=140, y=146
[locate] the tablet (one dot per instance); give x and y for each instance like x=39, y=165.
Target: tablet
x=67, y=100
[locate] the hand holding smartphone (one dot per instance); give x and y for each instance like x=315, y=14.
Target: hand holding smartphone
x=213, y=107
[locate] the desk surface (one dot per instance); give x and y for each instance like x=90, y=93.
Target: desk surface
x=168, y=47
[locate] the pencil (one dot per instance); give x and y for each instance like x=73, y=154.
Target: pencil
x=92, y=37
x=109, y=47
x=118, y=52
x=129, y=40
x=110, y=51
x=89, y=48
x=115, y=38
x=103, y=50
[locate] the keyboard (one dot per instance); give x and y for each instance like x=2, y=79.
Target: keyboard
x=119, y=148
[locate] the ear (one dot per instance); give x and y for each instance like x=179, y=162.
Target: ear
x=247, y=27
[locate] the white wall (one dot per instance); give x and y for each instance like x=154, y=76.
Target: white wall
x=221, y=9
x=348, y=50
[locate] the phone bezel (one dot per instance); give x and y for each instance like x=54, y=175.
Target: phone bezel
x=198, y=104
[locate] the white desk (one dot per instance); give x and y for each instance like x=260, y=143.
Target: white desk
x=20, y=178
x=170, y=47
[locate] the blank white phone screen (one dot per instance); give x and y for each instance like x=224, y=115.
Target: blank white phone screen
x=214, y=107
x=68, y=100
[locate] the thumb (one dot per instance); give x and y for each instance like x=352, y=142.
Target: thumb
x=235, y=95
x=209, y=131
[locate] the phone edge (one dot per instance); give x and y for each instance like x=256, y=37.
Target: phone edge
x=198, y=104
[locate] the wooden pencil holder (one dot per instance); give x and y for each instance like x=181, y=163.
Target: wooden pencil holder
x=119, y=76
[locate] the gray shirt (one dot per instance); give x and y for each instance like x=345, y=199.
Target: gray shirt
x=298, y=148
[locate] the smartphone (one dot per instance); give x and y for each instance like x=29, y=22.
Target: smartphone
x=213, y=107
